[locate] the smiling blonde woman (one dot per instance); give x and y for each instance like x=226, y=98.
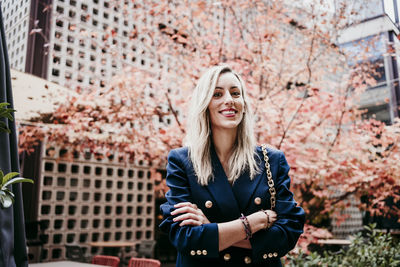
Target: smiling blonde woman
x=229, y=202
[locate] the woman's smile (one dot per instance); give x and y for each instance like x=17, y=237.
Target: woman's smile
x=229, y=112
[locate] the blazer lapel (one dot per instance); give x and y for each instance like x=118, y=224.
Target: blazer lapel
x=221, y=190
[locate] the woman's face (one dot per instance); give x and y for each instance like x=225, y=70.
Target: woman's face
x=227, y=104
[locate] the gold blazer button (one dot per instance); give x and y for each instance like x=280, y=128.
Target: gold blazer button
x=227, y=257
x=275, y=254
x=270, y=255
x=265, y=256
x=257, y=201
x=247, y=260
x=204, y=252
x=208, y=204
x=198, y=252
x=192, y=252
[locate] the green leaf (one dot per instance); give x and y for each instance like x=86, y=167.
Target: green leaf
x=4, y=127
x=8, y=192
x=1, y=176
x=6, y=113
x=6, y=201
x=4, y=104
x=9, y=115
x=9, y=176
x=18, y=180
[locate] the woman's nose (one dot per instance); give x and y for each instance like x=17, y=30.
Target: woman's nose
x=228, y=98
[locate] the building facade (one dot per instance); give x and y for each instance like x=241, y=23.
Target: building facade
x=84, y=199
x=377, y=27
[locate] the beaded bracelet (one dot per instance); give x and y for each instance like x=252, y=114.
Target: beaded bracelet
x=246, y=225
x=268, y=221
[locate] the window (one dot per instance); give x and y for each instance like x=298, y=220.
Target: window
x=70, y=51
x=70, y=39
x=71, y=27
x=55, y=72
x=59, y=23
x=60, y=10
x=71, y=14
x=57, y=47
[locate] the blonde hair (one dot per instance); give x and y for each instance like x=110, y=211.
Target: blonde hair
x=198, y=137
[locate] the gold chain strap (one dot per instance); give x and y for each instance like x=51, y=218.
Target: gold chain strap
x=269, y=176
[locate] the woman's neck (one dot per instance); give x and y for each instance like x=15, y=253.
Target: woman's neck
x=224, y=141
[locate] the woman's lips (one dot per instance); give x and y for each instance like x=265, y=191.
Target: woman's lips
x=228, y=112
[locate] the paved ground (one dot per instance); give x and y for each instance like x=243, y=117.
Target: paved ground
x=168, y=265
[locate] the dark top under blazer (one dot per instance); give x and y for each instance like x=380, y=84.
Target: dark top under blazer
x=198, y=245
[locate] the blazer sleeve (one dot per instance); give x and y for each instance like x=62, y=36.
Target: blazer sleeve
x=282, y=236
x=196, y=241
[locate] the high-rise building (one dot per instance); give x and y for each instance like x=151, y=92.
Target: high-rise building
x=376, y=27
x=74, y=42
x=85, y=199
x=16, y=15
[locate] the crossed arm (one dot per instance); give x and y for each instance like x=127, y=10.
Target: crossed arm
x=229, y=233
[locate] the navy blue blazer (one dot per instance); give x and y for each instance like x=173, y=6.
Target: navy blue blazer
x=198, y=245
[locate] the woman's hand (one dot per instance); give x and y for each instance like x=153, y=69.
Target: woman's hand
x=271, y=217
x=262, y=219
x=191, y=214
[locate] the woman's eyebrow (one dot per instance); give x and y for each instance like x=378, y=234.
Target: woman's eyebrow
x=220, y=88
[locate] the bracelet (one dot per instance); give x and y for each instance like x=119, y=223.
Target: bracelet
x=246, y=225
x=268, y=221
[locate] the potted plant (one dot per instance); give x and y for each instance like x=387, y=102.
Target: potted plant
x=6, y=196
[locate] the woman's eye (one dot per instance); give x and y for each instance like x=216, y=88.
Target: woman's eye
x=236, y=93
x=217, y=94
